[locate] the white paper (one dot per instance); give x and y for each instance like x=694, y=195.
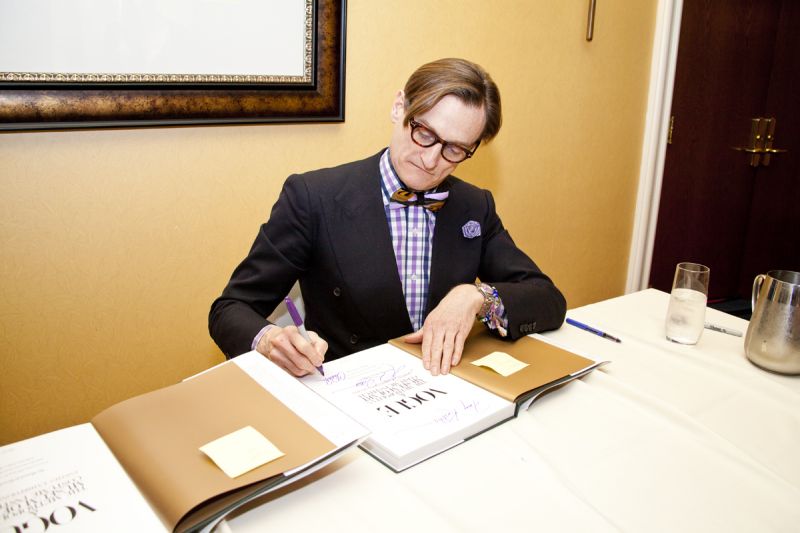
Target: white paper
x=256, y=37
x=334, y=425
x=407, y=410
x=69, y=481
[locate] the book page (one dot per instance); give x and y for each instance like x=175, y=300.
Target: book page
x=320, y=414
x=69, y=481
x=408, y=410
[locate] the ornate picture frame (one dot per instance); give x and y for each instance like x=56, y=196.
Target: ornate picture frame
x=32, y=100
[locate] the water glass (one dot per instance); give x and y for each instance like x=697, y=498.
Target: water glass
x=687, y=303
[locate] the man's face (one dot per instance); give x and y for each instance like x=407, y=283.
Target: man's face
x=453, y=121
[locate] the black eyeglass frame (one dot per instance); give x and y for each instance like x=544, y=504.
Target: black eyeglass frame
x=437, y=140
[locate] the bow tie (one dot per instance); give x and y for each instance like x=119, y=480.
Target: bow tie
x=433, y=201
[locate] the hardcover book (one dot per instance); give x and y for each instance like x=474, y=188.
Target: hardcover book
x=413, y=415
x=546, y=366
x=138, y=465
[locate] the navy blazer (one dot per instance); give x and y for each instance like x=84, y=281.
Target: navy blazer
x=329, y=230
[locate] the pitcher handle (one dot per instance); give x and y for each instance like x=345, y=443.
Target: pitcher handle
x=756, y=289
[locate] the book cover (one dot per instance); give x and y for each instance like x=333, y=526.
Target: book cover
x=547, y=365
x=152, y=465
x=413, y=415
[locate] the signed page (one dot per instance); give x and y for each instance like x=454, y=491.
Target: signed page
x=411, y=414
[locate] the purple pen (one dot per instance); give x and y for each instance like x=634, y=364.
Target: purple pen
x=298, y=321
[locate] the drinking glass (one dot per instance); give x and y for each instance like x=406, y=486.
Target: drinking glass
x=687, y=303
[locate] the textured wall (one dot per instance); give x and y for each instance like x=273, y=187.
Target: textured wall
x=114, y=243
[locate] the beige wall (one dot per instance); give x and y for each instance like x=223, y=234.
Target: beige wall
x=114, y=243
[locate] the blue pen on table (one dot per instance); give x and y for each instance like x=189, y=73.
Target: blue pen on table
x=590, y=329
x=721, y=329
x=298, y=321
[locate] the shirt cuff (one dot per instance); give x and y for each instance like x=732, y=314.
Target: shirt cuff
x=260, y=334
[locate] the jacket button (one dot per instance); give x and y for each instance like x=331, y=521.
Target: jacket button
x=353, y=339
x=337, y=291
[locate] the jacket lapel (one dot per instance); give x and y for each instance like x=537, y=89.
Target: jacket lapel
x=455, y=258
x=359, y=235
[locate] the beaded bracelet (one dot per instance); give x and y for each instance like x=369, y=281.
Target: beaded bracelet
x=489, y=312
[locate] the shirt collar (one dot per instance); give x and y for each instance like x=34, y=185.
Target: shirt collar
x=390, y=181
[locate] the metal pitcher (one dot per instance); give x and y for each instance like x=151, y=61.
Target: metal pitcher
x=773, y=335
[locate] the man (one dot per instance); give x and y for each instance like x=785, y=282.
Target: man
x=393, y=244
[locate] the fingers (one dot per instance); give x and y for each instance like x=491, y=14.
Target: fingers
x=320, y=346
x=287, y=363
x=427, y=345
x=442, y=349
x=414, y=338
x=297, y=351
x=447, y=352
x=446, y=328
x=458, y=348
x=287, y=348
x=452, y=355
x=432, y=344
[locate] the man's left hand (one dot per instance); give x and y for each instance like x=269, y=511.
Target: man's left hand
x=446, y=328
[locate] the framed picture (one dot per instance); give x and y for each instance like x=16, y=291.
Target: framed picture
x=125, y=63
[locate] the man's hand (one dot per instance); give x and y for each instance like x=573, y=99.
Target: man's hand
x=287, y=348
x=446, y=328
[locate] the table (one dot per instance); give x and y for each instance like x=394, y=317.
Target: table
x=666, y=438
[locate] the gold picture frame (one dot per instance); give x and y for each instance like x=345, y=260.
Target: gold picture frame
x=41, y=100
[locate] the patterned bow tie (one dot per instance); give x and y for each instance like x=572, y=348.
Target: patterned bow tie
x=433, y=201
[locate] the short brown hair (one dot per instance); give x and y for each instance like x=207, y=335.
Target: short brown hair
x=463, y=79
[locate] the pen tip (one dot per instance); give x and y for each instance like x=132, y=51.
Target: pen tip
x=321, y=370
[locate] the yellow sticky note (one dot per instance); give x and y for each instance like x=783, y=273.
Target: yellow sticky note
x=241, y=451
x=500, y=362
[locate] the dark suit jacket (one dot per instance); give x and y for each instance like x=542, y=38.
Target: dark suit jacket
x=328, y=230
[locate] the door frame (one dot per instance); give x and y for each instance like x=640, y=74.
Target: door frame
x=654, y=144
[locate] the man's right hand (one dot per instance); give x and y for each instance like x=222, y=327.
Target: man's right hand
x=287, y=348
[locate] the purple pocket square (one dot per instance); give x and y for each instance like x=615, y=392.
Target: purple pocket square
x=471, y=229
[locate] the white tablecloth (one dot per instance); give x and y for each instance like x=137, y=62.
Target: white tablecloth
x=665, y=438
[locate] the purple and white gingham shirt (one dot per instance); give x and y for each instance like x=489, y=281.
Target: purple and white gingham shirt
x=412, y=239
x=411, y=230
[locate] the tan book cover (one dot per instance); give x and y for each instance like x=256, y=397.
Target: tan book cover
x=142, y=456
x=548, y=366
x=156, y=437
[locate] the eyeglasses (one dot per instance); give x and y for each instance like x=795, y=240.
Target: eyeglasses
x=451, y=152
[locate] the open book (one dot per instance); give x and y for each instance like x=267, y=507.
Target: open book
x=548, y=366
x=413, y=415
x=138, y=466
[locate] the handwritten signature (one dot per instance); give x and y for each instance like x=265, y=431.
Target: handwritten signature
x=367, y=377
x=335, y=378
